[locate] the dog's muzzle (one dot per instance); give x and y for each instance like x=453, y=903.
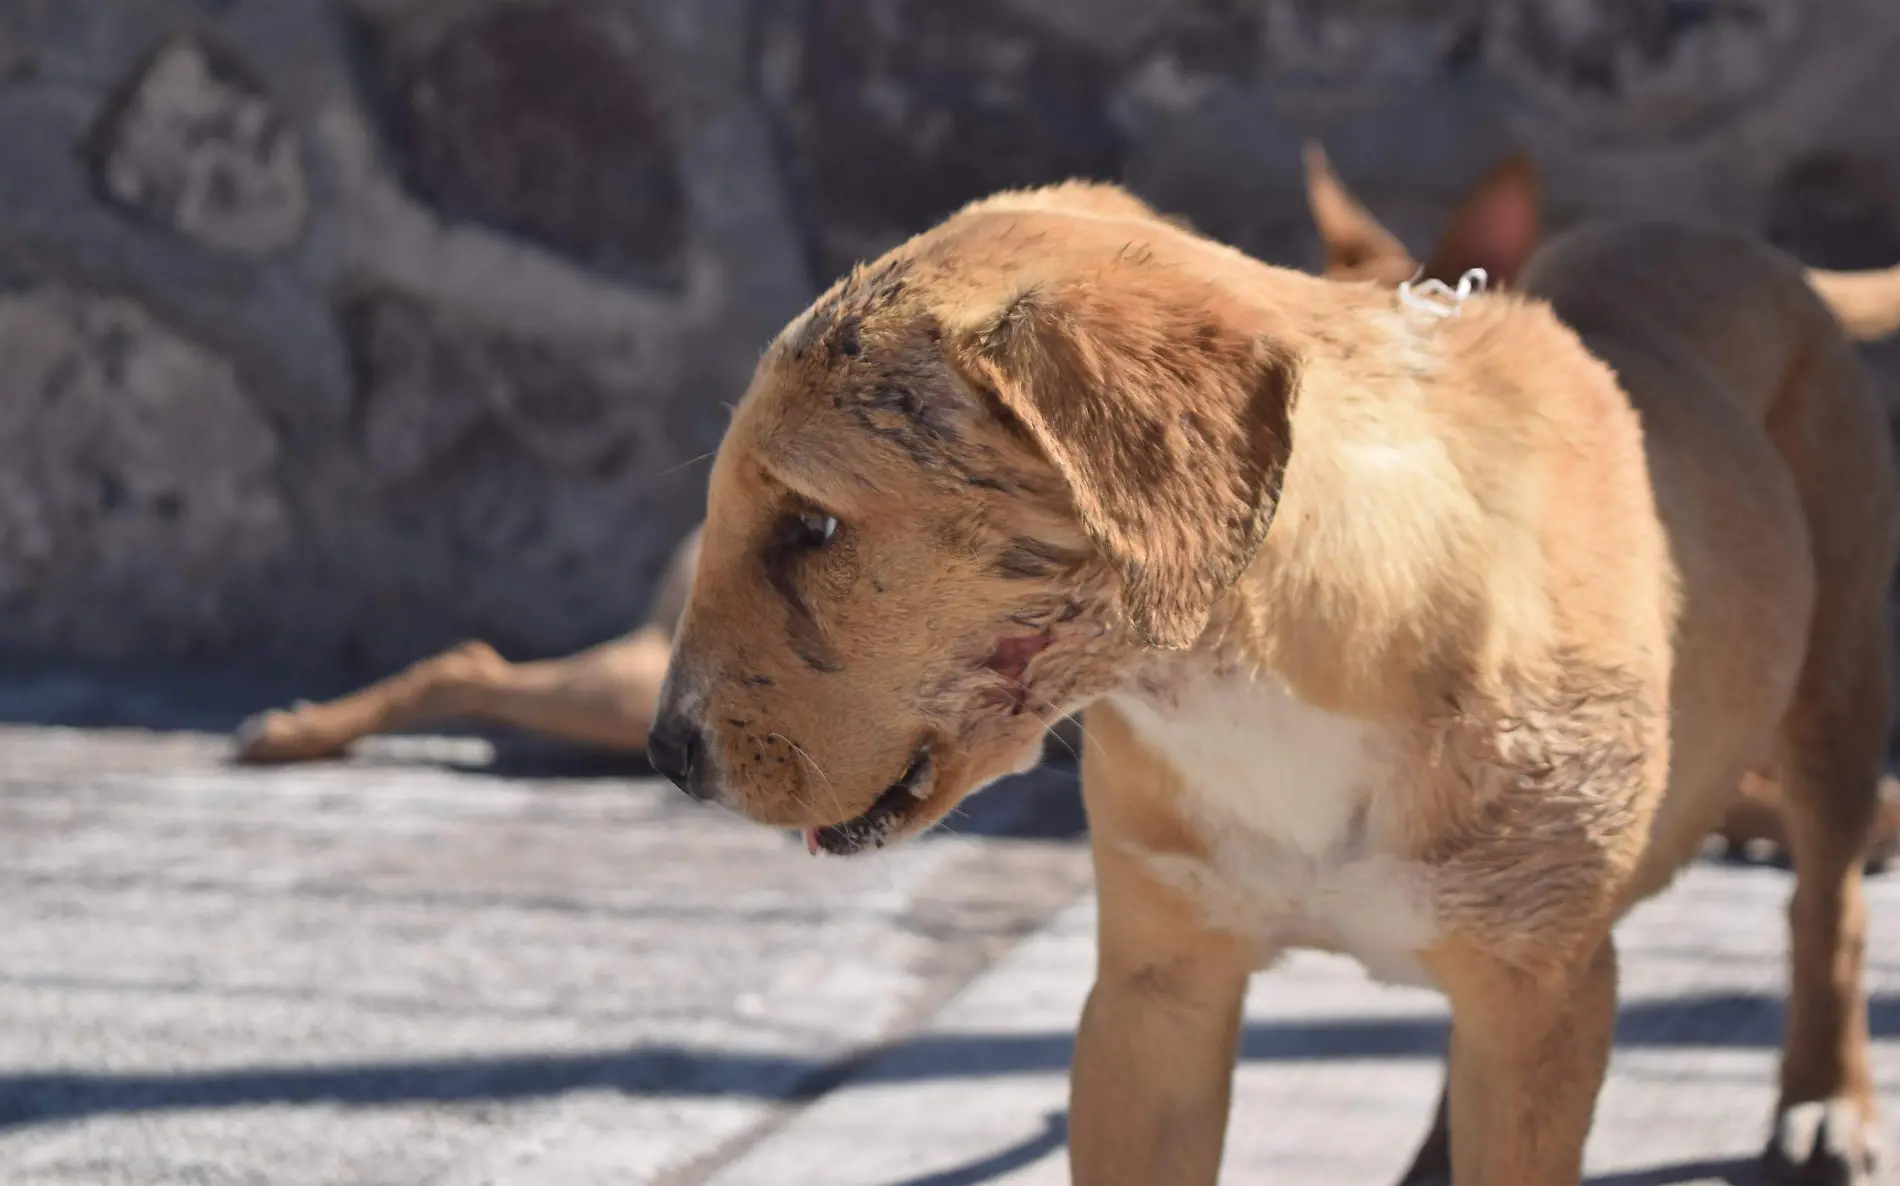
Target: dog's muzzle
x=677, y=751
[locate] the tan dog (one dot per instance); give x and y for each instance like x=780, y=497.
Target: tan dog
x=604, y=696
x=1417, y=638
x=1496, y=227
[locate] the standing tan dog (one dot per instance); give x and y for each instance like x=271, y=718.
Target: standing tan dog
x=1419, y=638
x=604, y=696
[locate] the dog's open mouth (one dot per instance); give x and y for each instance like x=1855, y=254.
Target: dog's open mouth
x=883, y=819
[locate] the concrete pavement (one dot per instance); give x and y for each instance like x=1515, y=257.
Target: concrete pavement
x=1338, y=1075
x=398, y=971
x=430, y=966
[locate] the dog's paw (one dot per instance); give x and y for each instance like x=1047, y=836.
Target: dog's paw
x=276, y=736
x=1744, y=850
x=1822, y=1143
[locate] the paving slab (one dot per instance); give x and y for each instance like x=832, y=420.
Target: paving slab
x=1338, y=1074
x=436, y=964
x=405, y=969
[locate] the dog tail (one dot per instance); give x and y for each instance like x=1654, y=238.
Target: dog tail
x=1867, y=304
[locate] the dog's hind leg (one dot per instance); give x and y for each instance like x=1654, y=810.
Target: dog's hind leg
x=1753, y=828
x=603, y=697
x=1835, y=737
x=1833, y=743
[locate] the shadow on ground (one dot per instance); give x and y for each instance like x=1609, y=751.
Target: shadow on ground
x=1733, y=1172
x=1055, y=1136
x=1733, y=1021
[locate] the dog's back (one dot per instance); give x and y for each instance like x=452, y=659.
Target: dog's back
x=1708, y=299
x=1770, y=459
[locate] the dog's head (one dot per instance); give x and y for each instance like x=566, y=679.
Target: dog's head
x=1495, y=226
x=962, y=491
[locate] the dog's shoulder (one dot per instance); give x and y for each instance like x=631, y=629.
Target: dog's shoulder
x=1466, y=494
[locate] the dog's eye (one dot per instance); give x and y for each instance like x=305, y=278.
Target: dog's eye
x=816, y=528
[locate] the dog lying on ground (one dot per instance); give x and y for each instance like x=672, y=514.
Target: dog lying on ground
x=1432, y=640
x=1496, y=227
x=604, y=696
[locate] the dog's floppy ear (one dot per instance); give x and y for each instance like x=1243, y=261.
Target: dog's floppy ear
x=1354, y=241
x=1496, y=226
x=1166, y=408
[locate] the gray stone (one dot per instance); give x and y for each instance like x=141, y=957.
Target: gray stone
x=1645, y=71
x=430, y=380
x=541, y=119
x=1352, y=44
x=198, y=144
x=136, y=480
x=510, y=480
x=899, y=111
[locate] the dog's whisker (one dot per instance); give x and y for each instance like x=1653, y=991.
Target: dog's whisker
x=836, y=802
x=687, y=464
x=1055, y=717
x=805, y=802
x=1088, y=739
x=1049, y=729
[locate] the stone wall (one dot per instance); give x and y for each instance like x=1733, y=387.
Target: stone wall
x=332, y=331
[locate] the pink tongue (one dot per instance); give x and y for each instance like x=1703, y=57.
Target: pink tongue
x=811, y=841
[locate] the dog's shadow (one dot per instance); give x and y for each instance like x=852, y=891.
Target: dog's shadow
x=1737, y=1171
x=1054, y=1137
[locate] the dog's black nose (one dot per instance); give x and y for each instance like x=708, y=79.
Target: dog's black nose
x=675, y=750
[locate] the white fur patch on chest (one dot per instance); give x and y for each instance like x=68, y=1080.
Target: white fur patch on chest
x=1291, y=803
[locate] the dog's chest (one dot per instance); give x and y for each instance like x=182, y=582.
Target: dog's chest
x=1291, y=805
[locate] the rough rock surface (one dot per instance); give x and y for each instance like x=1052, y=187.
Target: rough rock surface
x=478, y=277
x=900, y=111
x=199, y=145
x=541, y=118
x=135, y=478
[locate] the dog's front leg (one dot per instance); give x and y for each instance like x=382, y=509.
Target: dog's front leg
x=1155, y=1056
x=1528, y=1058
